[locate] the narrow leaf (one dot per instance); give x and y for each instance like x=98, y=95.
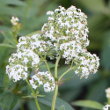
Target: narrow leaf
x=89, y=104
x=62, y=108
x=6, y=45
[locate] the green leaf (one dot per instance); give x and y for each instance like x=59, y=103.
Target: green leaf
x=75, y=81
x=89, y=104
x=9, y=39
x=47, y=100
x=105, y=55
x=11, y=11
x=8, y=101
x=6, y=45
x=11, y=2
x=43, y=66
x=32, y=106
x=4, y=54
x=62, y=108
x=92, y=5
x=97, y=90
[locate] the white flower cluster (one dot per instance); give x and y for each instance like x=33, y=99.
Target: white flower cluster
x=107, y=93
x=68, y=33
x=106, y=107
x=71, y=50
x=27, y=56
x=66, y=24
x=33, y=43
x=87, y=63
x=65, y=34
x=17, y=72
x=14, y=20
x=67, y=30
x=45, y=79
x=20, y=62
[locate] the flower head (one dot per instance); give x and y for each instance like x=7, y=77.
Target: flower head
x=29, y=51
x=67, y=30
x=44, y=79
x=87, y=63
x=14, y=20
x=67, y=25
x=65, y=34
x=17, y=72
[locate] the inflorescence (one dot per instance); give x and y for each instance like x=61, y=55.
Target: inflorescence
x=66, y=35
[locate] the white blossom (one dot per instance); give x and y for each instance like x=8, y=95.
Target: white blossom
x=71, y=50
x=25, y=57
x=107, y=92
x=87, y=63
x=63, y=21
x=65, y=34
x=67, y=31
x=14, y=20
x=50, y=13
x=17, y=72
x=106, y=107
x=34, y=43
x=44, y=79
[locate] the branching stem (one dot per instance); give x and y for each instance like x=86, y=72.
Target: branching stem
x=56, y=87
x=71, y=68
x=56, y=66
x=47, y=66
x=35, y=97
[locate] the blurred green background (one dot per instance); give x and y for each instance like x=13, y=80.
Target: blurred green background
x=32, y=14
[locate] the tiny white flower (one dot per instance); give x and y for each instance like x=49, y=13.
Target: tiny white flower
x=14, y=20
x=106, y=107
x=44, y=79
x=17, y=72
x=50, y=13
x=50, y=18
x=107, y=92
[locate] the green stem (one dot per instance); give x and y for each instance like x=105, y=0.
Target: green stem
x=35, y=97
x=56, y=87
x=37, y=104
x=64, y=74
x=56, y=66
x=71, y=68
x=47, y=66
x=108, y=101
x=54, y=98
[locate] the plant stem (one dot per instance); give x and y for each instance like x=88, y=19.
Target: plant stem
x=64, y=74
x=47, y=66
x=71, y=68
x=56, y=87
x=37, y=104
x=108, y=101
x=56, y=66
x=54, y=98
x=35, y=97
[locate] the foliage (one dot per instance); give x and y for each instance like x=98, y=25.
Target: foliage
x=31, y=14
x=89, y=104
